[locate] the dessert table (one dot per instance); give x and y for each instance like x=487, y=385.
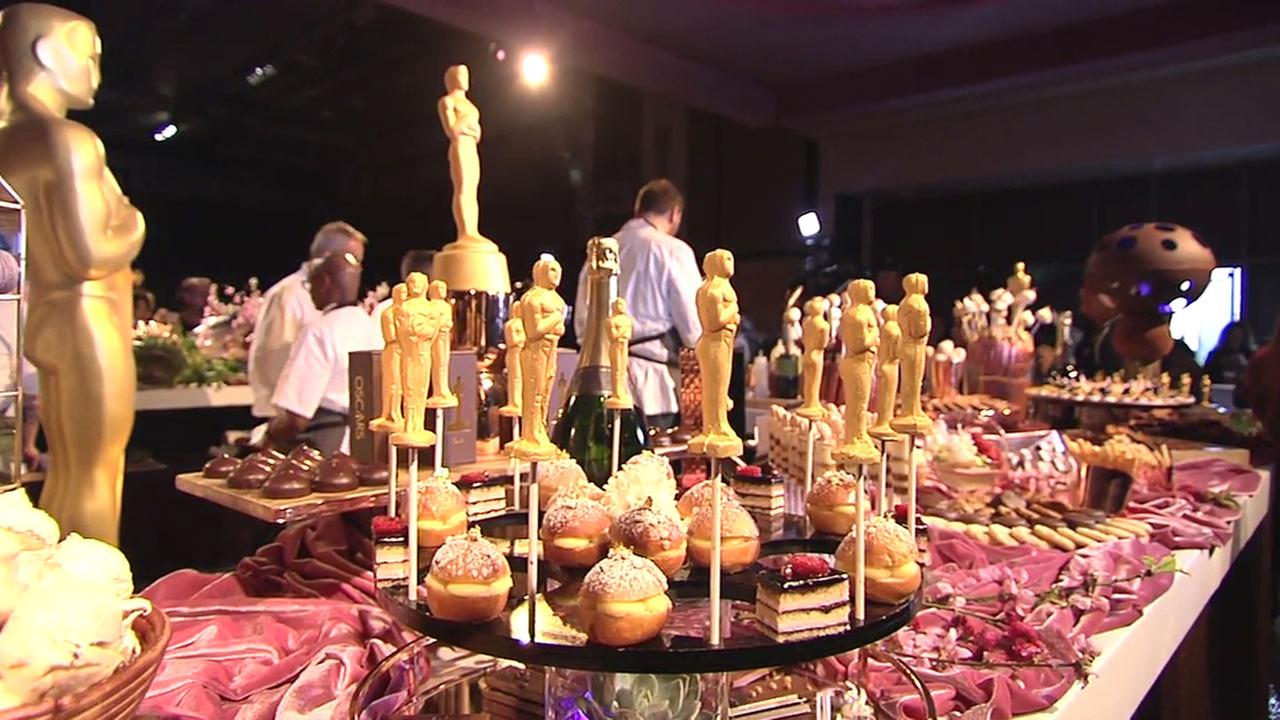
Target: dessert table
x=1131, y=658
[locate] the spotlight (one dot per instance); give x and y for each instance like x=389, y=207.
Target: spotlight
x=1177, y=304
x=164, y=132
x=534, y=69
x=501, y=55
x=809, y=224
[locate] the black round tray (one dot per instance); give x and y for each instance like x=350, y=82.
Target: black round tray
x=682, y=646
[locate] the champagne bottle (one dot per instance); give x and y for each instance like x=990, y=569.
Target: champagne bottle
x=585, y=427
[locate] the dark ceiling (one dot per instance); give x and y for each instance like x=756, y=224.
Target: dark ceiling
x=803, y=63
x=350, y=76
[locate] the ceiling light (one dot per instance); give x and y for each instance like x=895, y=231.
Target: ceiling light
x=164, y=132
x=809, y=224
x=534, y=69
x=500, y=54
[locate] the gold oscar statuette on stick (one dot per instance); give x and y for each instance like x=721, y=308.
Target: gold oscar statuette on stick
x=860, y=333
x=621, y=328
x=887, y=361
x=815, y=336
x=915, y=323
x=542, y=313
x=442, y=320
x=392, y=419
x=415, y=333
x=82, y=235
x=717, y=304
x=513, y=334
x=887, y=375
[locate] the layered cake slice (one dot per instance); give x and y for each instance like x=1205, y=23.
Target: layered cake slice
x=390, y=552
x=762, y=493
x=802, y=596
x=486, y=496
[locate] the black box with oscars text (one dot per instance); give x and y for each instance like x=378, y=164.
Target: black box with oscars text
x=368, y=446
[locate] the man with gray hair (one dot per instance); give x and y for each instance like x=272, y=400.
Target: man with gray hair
x=287, y=307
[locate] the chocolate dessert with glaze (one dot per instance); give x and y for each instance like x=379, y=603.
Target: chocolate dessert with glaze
x=286, y=483
x=337, y=474
x=307, y=456
x=373, y=474
x=221, y=467
x=249, y=475
x=802, y=596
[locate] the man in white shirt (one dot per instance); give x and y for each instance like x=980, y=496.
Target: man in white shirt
x=286, y=308
x=311, y=399
x=659, y=278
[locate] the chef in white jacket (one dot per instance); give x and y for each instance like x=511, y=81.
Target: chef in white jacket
x=287, y=308
x=659, y=278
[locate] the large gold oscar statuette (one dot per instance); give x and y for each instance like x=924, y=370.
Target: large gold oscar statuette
x=472, y=261
x=442, y=319
x=860, y=332
x=542, y=314
x=416, y=335
x=392, y=419
x=513, y=334
x=914, y=319
x=82, y=235
x=621, y=328
x=816, y=332
x=718, y=310
x=887, y=374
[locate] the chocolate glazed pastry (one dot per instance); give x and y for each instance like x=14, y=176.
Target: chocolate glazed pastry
x=221, y=467
x=307, y=456
x=287, y=482
x=374, y=474
x=249, y=475
x=337, y=474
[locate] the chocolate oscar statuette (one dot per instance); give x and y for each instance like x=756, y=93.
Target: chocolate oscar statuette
x=392, y=419
x=717, y=304
x=815, y=335
x=442, y=319
x=621, y=328
x=542, y=313
x=916, y=323
x=82, y=234
x=860, y=333
x=415, y=333
x=513, y=334
x=887, y=361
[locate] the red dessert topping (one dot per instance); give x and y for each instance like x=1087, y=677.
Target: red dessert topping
x=750, y=471
x=803, y=567
x=473, y=477
x=388, y=525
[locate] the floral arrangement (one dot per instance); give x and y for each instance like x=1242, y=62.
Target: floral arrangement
x=230, y=317
x=167, y=357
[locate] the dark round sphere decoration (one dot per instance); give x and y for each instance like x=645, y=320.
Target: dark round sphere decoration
x=1146, y=271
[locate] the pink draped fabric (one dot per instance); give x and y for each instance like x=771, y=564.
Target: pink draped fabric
x=289, y=635
x=1004, y=583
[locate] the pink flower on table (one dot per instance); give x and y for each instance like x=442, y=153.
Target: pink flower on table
x=949, y=647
